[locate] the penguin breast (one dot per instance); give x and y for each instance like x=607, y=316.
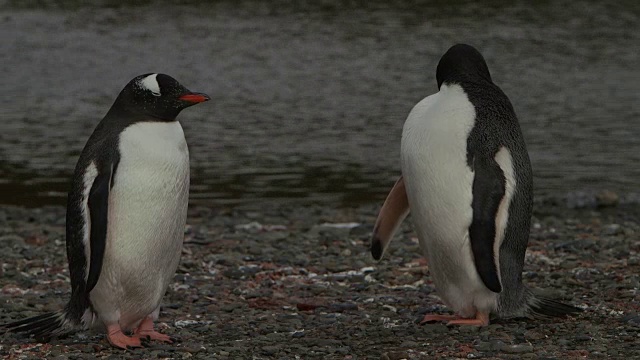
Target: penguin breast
x=147, y=216
x=439, y=189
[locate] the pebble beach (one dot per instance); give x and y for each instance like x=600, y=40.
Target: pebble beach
x=292, y=158
x=298, y=282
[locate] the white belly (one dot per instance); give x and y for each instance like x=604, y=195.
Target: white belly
x=439, y=188
x=147, y=215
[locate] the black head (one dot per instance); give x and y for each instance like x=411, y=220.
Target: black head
x=157, y=95
x=461, y=59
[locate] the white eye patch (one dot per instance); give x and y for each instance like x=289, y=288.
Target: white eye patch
x=151, y=83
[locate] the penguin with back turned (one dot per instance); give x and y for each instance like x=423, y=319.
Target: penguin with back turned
x=126, y=214
x=467, y=180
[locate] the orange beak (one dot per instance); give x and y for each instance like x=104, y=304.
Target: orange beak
x=195, y=98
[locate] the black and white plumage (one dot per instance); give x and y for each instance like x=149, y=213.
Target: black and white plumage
x=126, y=214
x=467, y=179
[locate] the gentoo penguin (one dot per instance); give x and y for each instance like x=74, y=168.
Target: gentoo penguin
x=466, y=177
x=126, y=214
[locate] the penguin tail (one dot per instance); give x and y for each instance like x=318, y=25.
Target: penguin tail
x=42, y=327
x=545, y=307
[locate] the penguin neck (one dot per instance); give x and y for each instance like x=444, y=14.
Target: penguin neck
x=463, y=70
x=464, y=78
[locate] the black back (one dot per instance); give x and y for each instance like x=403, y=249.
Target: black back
x=496, y=125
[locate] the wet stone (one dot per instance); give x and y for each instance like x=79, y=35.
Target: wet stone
x=563, y=342
x=397, y=355
x=607, y=198
x=484, y=346
x=468, y=329
x=270, y=350
x=613, y=229
x=516, y=349
x=435, y=328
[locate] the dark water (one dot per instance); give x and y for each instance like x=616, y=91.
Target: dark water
x=309, y=100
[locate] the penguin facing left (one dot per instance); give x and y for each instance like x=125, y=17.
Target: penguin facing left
x=126, y=214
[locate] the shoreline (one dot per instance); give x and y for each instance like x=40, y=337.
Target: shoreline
x=285, y=281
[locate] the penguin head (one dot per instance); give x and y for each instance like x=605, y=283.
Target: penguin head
x=461, y=59
x=159, y=96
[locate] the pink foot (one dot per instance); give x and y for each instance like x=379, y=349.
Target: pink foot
x=120, y=340
x=154, y=335
x=481, y=319
x=145, y=330
x=433, y=317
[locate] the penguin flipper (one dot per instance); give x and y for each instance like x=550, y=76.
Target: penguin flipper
x=98, y=204
x=489, y=186
x=394, y=210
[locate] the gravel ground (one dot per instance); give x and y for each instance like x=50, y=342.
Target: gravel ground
x=299, y=283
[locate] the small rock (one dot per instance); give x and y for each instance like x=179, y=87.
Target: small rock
x=235, y=274
x=362, y=231
x=397, y=355
x=306, y=307
x=435, y=328
x=580, y=200
x=569, y=264
x=409, y=344
x=192, y=348
x=583, y=338
x=607, y=198
x=612, y=229
x=7, y=240
x=341, y=307
x=36, y=240
x=270, y=350
x=484, y=346
x=631, y=318
x=468, y=329
x=533, y=335
x=516, y=349
x=563, y=342
x=230, y=307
